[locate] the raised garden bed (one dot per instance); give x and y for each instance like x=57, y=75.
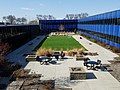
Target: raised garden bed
x=31, y=58
x=77, y=73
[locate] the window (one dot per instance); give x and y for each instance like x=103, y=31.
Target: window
x=118, y=21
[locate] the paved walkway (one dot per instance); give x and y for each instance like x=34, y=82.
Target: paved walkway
x=103, y=54
x=61, y=74
x=17, y=56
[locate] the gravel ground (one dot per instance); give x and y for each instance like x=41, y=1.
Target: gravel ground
x=115, y=70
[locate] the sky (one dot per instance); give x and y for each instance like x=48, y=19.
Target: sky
x=57, y=8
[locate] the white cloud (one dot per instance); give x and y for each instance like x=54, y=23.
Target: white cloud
x=41, y=4
x=27, y=9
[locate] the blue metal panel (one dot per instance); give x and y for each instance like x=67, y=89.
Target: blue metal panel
x=82, y=26
x=116, y=30
x=93, y=17
x=114, y=14
x=110, y=33
x=91, y=27
x=107, y=15
x=100, y=30
x=100, y=16
x=97, y=30
x=119, y=30
x=112, y=43
x=96, y=17
x=111, y=29
x=93, y=31
x=118, y=13
x=79, y=26
x=90, y=18
x=106, y=29
x=84, y=19
x=80, y=20
x=110, y=15
x=103, y=26
x=107, y=32
x=117, y=45
x=87, y=18
x=102, y=40
x=107, y=41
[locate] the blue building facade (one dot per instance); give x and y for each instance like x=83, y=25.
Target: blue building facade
x=102, y=27
x=48, y=26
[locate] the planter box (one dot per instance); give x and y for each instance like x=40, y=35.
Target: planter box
x=31, y=58
x=80, y=58
x=77, y=73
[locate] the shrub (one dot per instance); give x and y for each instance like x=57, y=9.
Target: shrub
x=80, y=51
x=70, y=53
x=75, y=51
x=43, y=51
x=19, y=73
x=116, y=50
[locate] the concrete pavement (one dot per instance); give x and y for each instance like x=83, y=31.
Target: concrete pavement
x=17, y=56
x=61, y=74
x=103, y=54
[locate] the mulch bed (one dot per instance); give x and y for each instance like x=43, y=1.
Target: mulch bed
x=38, y=85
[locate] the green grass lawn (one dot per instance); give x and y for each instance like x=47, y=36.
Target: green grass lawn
x=61, y=43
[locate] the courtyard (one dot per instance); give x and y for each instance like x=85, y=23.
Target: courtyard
x=60, y=72
x=59, y=45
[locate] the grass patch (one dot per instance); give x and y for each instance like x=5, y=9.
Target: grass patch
x=61, y=43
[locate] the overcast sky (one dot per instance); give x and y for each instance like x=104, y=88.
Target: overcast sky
x=57, y=8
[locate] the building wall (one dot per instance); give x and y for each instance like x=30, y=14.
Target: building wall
x=48, y=26
x=17, y=35
x=102, y=27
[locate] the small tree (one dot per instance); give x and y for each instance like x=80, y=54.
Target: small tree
x=18, y=20
x=10, y=18
x=5, y=19
x=34, y=22
x=23, y=20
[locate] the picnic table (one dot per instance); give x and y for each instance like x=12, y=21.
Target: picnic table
x=57, y=54
x=44, y=59
x=92, y=64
